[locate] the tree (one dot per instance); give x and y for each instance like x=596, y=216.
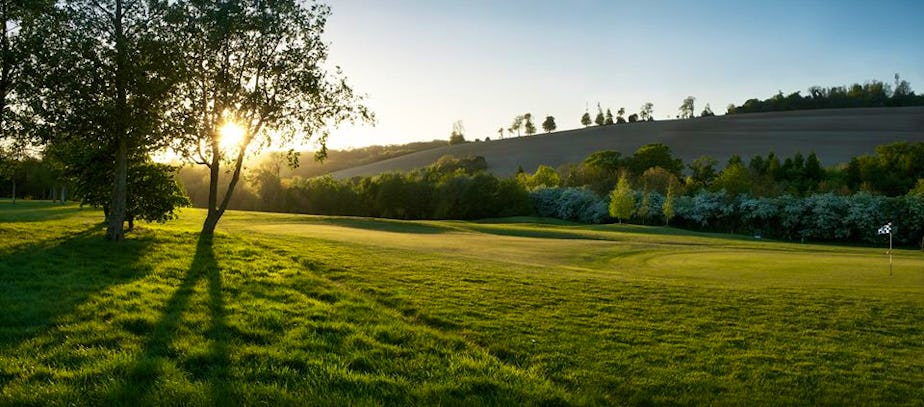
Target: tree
x=549, y=124
x=687, y=108
x=734, y=179
x=814, y=172
x=606, y=160
x=633, y=118
x=644, y=208
x=707, y=112
x=585, y=119
x=657, y=179
x=544, y=176
x=254, y=75
x=600, y=119
x=902, y=95
x=458, y=133
x=703, y=170
x=667, y=209
x=11, y=162
x=500, y=133
x=655, y=155
x=622, y=200
x=20, y=20
x=516, y=125
x=104, y=74
x=528, y=124
x=619, y=115
x=609, y=117
x=647, y=112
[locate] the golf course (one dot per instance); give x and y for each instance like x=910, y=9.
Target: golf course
x=282, y=309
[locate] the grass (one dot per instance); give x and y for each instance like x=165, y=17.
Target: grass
x=290, y=309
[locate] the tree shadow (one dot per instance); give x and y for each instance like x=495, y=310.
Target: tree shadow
x=387, y=225
x=37, y=211
x=212, y=366
x=41, y=281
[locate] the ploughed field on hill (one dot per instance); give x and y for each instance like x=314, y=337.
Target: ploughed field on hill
x=835, y=135
x=292, y=309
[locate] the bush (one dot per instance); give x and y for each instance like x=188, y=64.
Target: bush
x=574, y=204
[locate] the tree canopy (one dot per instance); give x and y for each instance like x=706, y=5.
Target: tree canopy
x=258, y=66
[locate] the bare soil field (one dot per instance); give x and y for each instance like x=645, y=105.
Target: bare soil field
x=835, y=135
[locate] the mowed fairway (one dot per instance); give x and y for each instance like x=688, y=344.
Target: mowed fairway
x=289, y=309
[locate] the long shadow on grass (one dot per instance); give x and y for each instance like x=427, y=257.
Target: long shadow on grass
x=36, y=211
x=47, y=279
x=387, y=225
x=211, y=366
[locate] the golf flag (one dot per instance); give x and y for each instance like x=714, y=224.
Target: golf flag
x=886, y=229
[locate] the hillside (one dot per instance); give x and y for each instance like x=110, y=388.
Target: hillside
x=835, y=135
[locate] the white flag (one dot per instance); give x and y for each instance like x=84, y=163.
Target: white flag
x=886, y=229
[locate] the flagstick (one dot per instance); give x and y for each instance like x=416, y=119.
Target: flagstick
x=890, y=252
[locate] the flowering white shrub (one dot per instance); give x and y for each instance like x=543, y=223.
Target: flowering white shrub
x=576, y=204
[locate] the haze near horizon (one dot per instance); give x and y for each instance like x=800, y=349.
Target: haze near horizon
x=425, y=65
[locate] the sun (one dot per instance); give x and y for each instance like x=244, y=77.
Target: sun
x=230, y=136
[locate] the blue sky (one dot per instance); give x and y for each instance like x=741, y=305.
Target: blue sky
x=426, y=64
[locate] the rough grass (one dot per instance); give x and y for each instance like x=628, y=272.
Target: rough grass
x=287, y=309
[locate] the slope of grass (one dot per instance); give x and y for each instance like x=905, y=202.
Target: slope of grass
x=311, y=310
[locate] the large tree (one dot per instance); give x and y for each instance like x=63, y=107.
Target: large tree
x=18, y=19
x=101, y=79
x=255, y=76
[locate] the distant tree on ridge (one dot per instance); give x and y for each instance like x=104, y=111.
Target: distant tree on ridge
x=687, y=108
x=528, y=124
x=647, y=112
x=600, y=119
x=549, y=124
x=458, y=133
x=585, y=119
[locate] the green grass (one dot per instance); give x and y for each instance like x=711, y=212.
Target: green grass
x=289, y=309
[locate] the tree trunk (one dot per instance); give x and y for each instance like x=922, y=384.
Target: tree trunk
x=216, y=210
x=211, y=220
x=116, y=231
x=63, y=194
x=14, y=189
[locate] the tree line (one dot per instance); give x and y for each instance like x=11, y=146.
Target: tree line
x=873, y=93
x=769, y=195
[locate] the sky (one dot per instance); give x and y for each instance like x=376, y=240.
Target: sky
x=426, y=64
